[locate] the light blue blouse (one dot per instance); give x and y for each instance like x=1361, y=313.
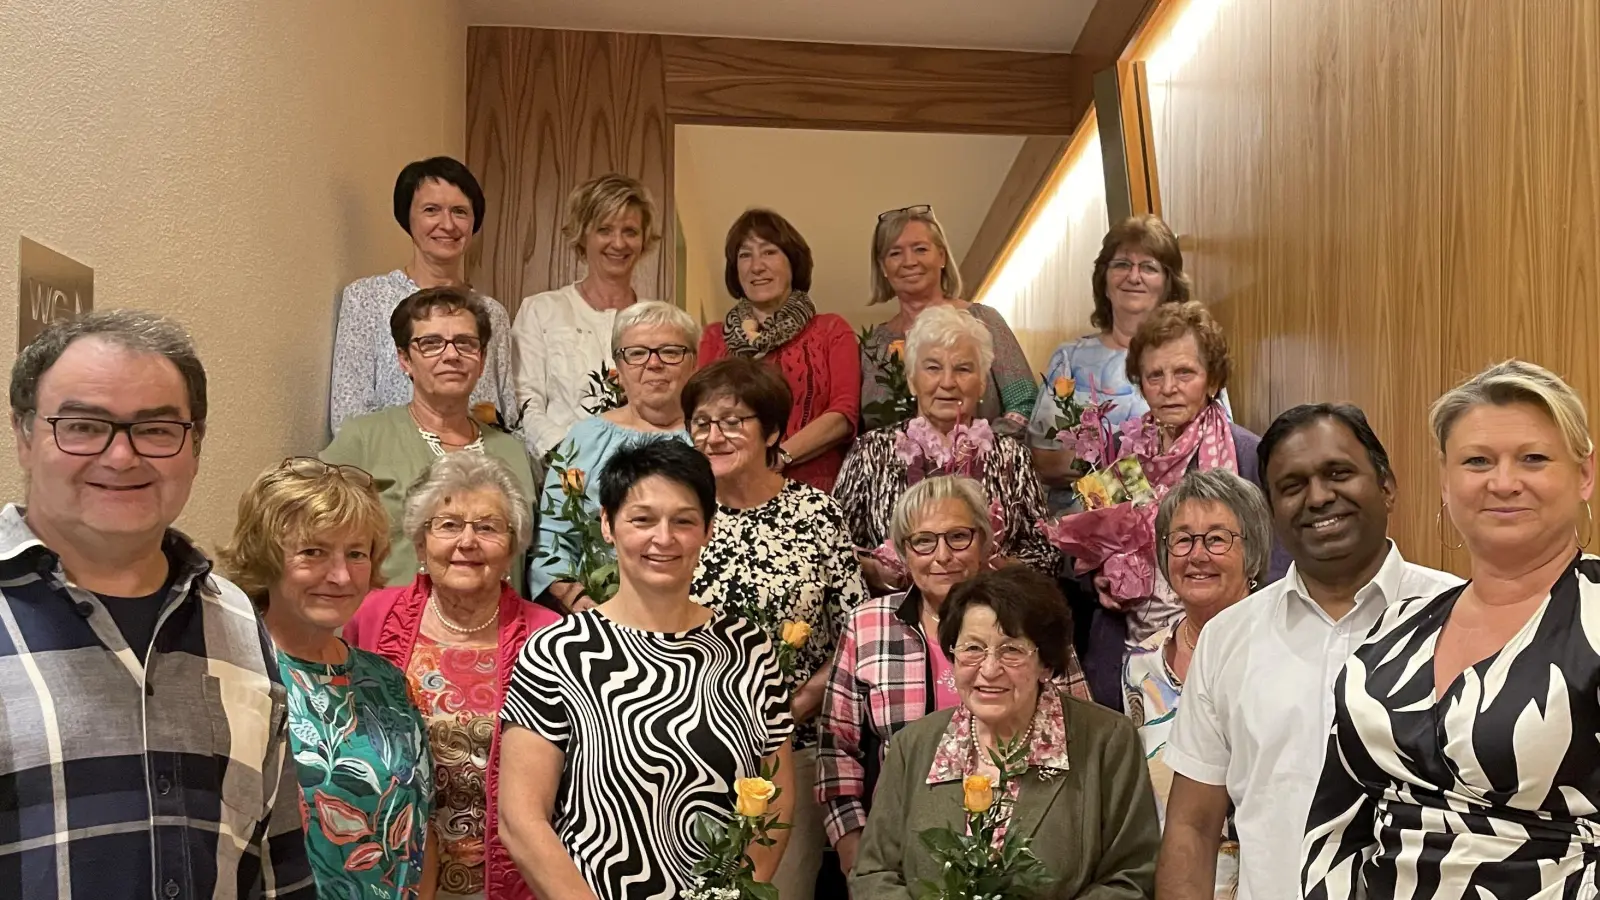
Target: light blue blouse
x=588, y=446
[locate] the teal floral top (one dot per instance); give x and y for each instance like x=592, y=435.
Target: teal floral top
x=366, y=775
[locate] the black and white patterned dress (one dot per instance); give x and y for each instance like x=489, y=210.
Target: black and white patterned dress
x=788, y=560
x=1491, y=793
x=656, y=728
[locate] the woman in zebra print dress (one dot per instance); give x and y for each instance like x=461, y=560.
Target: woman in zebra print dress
x=637, y=716
x=1463, y=761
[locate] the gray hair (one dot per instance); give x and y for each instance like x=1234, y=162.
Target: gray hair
x=132, y=330
x=652, y=313
x=1241, y=498
x=459, y=473
x=1516, y=381
x=915, y=501
x=943, y=327
x=890, y=226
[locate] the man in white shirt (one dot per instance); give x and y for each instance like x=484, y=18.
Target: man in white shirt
x=1252, y=727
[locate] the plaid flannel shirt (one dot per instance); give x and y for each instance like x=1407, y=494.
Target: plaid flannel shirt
x=109, y=767
x=881, y=682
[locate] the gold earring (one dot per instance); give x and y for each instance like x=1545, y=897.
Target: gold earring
x=1438, y=522
x=1589, y=515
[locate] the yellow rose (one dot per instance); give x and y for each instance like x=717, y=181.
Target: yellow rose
x=485, y=413
x=573, y=481
x=977, y=794
x=795, y=634
x=897, y=349
x=753, y=794
x=1065, y=386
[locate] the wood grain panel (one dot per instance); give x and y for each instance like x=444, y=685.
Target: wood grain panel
x=546, y=111
x=731, y=81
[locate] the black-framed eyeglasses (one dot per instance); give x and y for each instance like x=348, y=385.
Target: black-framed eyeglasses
x=1217, y=541
x=921, y=209
x=431, y=345
x=490, y=528
x=90, y=436
x=924, y=543
x=311, y=467
x=669, y=354
x=700, y=426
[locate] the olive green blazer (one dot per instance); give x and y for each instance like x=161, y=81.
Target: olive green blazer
x=1094, y=826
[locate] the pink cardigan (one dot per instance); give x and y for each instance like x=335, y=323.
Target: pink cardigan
x=388, y=623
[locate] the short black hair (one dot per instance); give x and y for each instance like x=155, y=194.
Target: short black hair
x=669, y=458
x=1027, y=604
x=436, y=168
x=1307, y=413
x=445, y=299
x=774, y=229
x=757, y=384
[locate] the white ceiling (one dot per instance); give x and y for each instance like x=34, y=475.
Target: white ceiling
x=1041, y=25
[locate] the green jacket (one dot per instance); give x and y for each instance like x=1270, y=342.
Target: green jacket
x=1094, y=826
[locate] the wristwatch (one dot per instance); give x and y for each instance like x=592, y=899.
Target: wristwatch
x=784, y=459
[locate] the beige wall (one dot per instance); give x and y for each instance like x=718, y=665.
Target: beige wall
x=831, y=185
x=227, y=162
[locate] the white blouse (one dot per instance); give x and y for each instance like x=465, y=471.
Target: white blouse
x=557, y=341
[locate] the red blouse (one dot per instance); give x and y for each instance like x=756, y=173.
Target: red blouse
x=822, y=365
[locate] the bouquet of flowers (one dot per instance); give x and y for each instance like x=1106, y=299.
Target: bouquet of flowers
x=985, y=861
x=604, y=392
x=595, y=562
x=891, y=376
x=726, y=872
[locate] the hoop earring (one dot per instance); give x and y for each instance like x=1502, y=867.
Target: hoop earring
x=1438, y=523
x=1587, y=514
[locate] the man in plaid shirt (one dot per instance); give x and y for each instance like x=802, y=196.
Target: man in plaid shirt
x=142, y=744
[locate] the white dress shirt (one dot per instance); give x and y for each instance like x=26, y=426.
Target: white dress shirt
x=558, y=340
x=1258, y=705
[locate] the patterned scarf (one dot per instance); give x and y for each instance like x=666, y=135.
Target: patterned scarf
x=1207, y=441
x=747, y=337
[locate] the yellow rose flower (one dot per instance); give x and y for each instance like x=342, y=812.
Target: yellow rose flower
x=977, y=794
x=753, y=795
x=897, y=349
x=1065, y=387
x=795, y=634
x=485, y=413
x=573, y=481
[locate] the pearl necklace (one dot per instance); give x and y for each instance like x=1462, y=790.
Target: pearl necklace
x=433, y=604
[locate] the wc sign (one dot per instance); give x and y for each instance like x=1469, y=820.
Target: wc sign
x=54, y=288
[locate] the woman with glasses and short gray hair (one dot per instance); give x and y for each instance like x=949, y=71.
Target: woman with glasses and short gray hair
x=653, y=346
x=455, y=631
x=912, y=264
x=1214, y=546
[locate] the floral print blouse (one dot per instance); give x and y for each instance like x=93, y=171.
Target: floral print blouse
x=366, y=775
x=789, y=559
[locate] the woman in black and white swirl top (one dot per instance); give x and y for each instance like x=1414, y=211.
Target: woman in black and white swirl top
x=638, y=715
x=1463, y=761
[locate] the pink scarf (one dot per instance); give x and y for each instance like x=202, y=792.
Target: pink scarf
x=1208, y=439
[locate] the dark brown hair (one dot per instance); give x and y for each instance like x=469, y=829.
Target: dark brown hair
x=1150, y=235
x=774, y=229
x=1026, y=603
x=428, y=301
x=758, y=385
x=1170, y=322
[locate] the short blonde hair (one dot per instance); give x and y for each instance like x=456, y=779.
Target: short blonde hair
x=915, y=500
x=943, y=327
x=890, y=225
x=590, y=204
x=651, y=313
x=463, y=472
x=1516, y=381
x=282, y=508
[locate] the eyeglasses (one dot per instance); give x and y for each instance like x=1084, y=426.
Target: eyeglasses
x=491, y=529
x=311, y=467
x=669, y=354
x=924, y=543
x=1148, y=268
x=1217, y=541
x=921, y=209
x=1009, y=655
x=431, y=345
x=89, y=436
x=728, y=425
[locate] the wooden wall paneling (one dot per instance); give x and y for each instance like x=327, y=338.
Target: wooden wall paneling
x=546, y=111
x=1523, y=158
x=788, y=84
x=1030, y=173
